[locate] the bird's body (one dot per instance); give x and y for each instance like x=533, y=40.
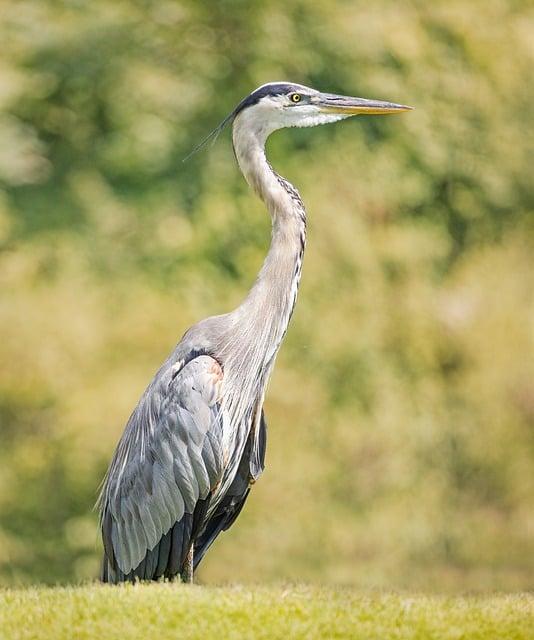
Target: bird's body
x=196, y=441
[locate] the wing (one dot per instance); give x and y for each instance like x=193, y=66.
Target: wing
x=167, y=463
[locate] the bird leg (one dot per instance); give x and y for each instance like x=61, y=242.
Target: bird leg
x=187, y=570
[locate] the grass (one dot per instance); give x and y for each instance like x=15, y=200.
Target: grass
x=166, y=611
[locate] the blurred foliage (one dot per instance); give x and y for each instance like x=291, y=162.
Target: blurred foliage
x=401, y=411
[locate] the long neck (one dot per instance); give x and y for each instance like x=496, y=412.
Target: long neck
x=261, y=321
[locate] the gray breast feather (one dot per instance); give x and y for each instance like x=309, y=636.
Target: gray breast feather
x=169, y=457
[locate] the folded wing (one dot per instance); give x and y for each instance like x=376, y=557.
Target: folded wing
x=166, y=465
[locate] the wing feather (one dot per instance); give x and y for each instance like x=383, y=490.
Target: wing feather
x=168, y=459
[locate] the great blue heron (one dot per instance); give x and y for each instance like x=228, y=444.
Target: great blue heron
x=196, y=441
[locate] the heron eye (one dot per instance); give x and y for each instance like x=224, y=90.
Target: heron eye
x=295, y=97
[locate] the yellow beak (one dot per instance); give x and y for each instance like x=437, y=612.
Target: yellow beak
x=331, y=103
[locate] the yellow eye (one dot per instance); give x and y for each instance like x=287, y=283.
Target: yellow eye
x=295, y=97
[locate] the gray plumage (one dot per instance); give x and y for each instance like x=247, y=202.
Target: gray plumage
x=196, y=441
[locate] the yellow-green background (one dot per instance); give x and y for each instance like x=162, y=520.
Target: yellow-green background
x=401, y=411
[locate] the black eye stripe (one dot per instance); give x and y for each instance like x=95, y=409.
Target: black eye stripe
x=275, y=89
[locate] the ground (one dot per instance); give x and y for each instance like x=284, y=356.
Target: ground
x=166, y=611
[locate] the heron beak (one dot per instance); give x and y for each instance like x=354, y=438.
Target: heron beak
x=330, y=103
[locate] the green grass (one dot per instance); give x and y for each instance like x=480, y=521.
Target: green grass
x=175, y=611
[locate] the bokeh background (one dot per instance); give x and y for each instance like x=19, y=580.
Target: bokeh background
x=401, y=412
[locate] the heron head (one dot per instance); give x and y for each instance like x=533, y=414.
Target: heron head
x=278, y=105
x=282, y=104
